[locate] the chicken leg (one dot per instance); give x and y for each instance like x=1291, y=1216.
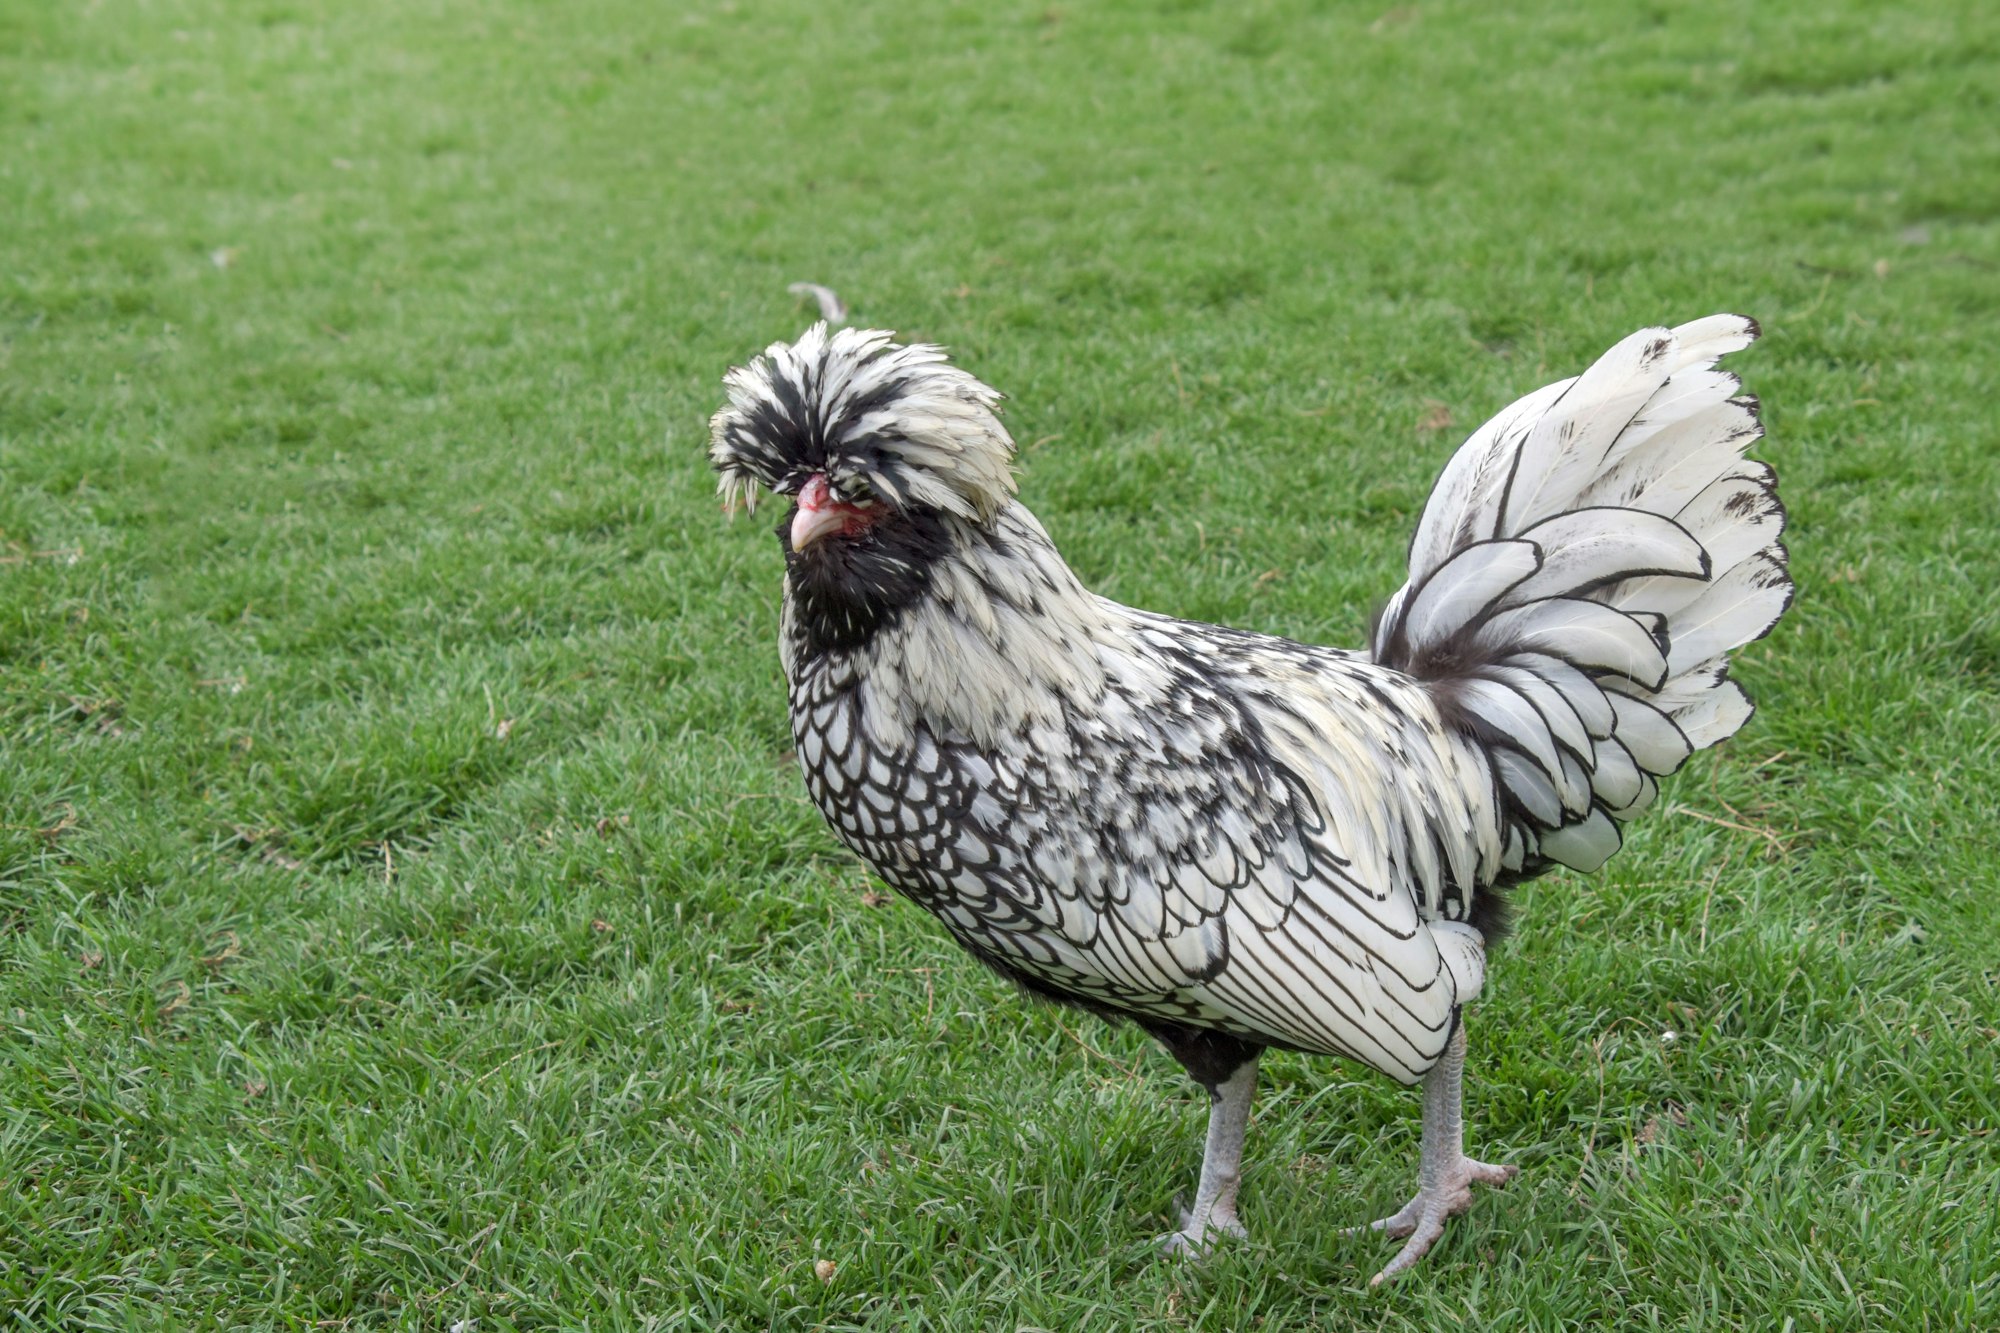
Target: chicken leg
x=1445, y=1174
x=1221, y=1164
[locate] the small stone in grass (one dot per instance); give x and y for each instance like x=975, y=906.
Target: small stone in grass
x=824, y=1270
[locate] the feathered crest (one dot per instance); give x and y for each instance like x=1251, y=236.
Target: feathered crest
x=881, y=418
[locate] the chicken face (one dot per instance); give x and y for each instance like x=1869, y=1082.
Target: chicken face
x=852, y=566
x=822, y=513
x=883, y=448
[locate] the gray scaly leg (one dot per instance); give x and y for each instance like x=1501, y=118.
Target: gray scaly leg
x=1221, y=1164
x=1445, y=1174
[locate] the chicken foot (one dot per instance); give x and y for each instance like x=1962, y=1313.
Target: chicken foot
x=1221, y=1165
x=1445, y=1175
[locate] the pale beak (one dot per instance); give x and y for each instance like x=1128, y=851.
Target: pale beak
x=821, y=513
x=810, y=524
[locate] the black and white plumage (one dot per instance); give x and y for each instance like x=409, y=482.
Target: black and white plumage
x=1237, y=840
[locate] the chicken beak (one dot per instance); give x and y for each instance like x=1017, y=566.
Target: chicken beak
x=813, y=522
x=822, y=512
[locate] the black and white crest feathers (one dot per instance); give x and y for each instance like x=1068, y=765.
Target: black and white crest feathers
x=881, y=419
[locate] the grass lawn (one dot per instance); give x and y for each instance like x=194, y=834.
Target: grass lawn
x=409, y=911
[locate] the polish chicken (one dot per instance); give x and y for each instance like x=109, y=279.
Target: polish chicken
x=1233, y=840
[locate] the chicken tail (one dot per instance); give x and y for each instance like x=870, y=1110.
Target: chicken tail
x=1584, y=566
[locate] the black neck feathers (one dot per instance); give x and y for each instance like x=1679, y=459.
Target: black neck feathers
x=846, y=590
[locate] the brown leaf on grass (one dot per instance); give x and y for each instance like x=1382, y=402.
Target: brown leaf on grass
x=91, y=958
x=874, y=899
x=104, y=714
x=69, y=555
x=262, y=840
x=1436, y=417
x=231, y=948
x=1671, y=1113
x=254, y=1088
x=824, y=1270
x=1776, y=844
x=181, y=999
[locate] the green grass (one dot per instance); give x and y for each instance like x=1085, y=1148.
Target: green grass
x=354, y=365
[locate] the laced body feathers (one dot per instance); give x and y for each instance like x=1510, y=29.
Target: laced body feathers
x=1156, y=817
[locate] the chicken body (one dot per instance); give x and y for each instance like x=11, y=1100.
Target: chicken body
x=1159, y=818
x=1235, y=840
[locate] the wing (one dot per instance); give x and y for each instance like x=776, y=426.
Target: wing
x=1243, y=833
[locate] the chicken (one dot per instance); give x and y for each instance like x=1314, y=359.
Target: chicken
x=1234, y=840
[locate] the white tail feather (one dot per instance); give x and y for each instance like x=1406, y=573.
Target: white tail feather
x=1588, y=547
x=1585, y=564
x=1615, y=779
x=1471, y=583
